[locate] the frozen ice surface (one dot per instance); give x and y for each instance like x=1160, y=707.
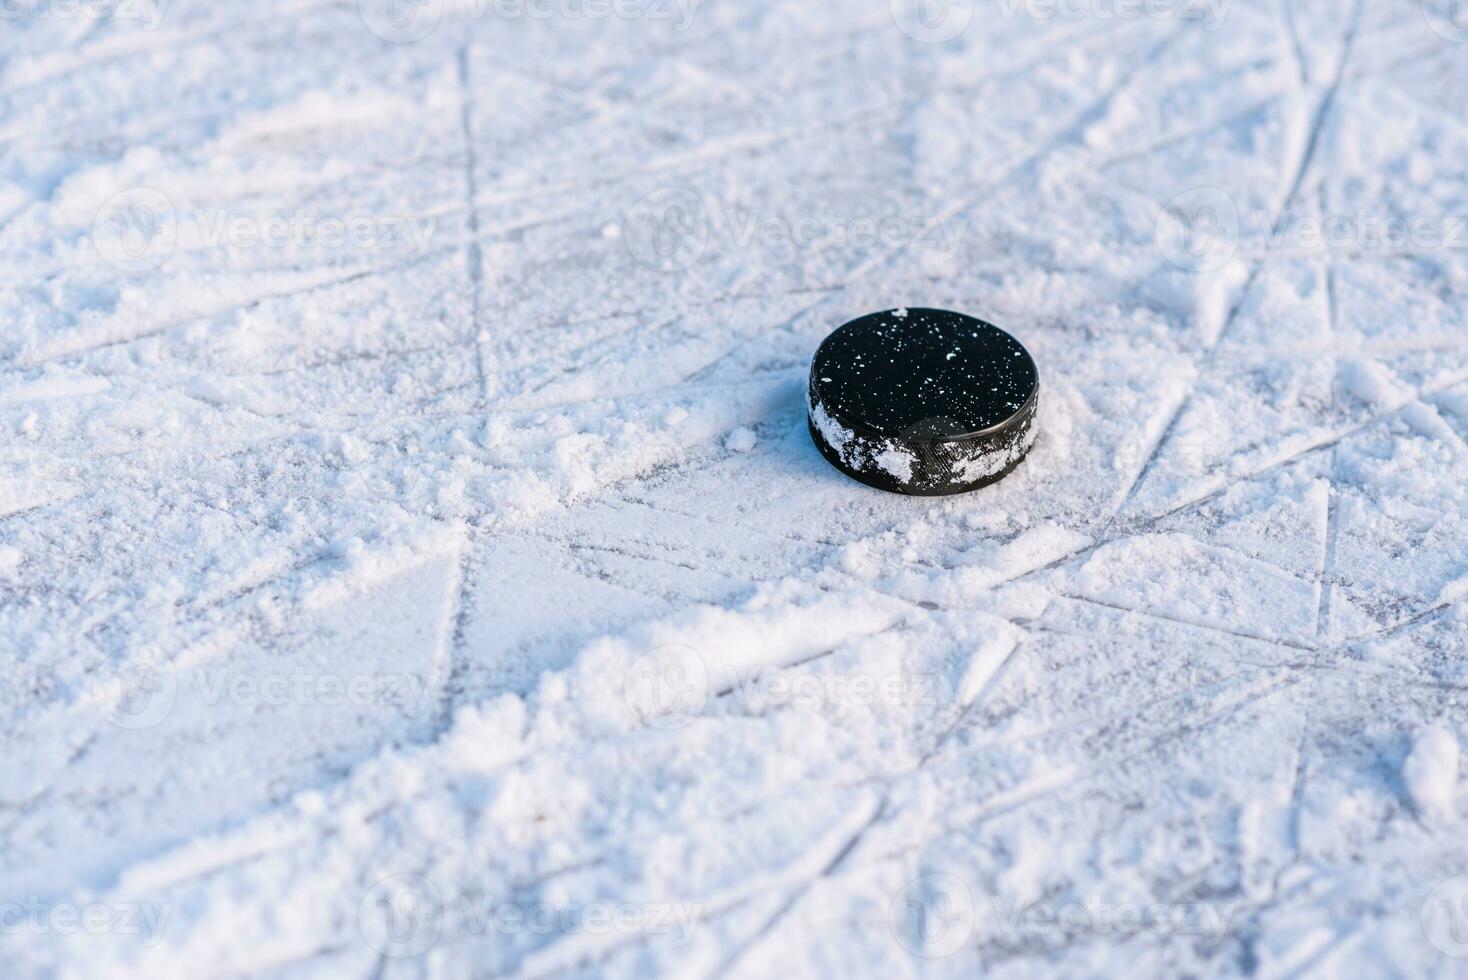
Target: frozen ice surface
x=414, y=562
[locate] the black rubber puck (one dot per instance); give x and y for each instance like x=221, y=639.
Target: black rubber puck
x=923, y=402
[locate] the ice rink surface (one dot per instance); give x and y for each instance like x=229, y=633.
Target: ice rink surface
x=414, y=562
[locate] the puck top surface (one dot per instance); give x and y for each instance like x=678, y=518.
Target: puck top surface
x=893, y=372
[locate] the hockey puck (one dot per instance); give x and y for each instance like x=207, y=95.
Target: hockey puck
x=923, y=402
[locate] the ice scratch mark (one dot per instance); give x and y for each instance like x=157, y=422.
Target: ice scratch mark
x=1332, y=500
x=1292, y=41
x=875, y=809
x=1195, y=624
x=474, y=256
x=450, y=667
x=1011, y=801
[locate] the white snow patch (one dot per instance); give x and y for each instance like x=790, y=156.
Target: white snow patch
x=741, y=440
x=989, y=657
x=837, y=436
x=1431, y=773
x=897, y=462
x=1371, y=383
x=1454, y=591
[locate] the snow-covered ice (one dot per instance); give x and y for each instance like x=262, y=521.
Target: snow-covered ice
x=414, y=560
